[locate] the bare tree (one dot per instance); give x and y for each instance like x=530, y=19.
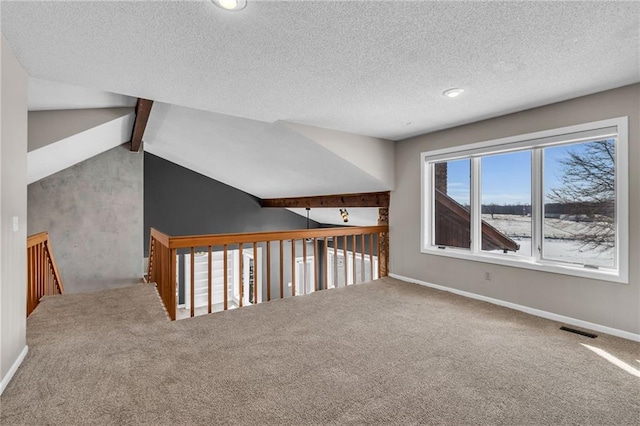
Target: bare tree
x=492, y=209
x=588, y=192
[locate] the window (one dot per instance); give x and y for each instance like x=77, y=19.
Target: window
x=554, y=201
x=506, y=203
x=579, y=203
x=452, y=194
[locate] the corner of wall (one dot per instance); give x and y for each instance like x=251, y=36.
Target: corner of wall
x=13, y=212
x=14, y=368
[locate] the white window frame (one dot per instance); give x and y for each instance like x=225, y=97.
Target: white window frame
x=617, y=127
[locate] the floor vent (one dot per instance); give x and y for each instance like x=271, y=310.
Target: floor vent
x=583, y=333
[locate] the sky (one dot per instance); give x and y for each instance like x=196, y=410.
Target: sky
x=506, y=178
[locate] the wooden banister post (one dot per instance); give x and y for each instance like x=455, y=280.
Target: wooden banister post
x=383, y=256
x=172, y=286
x=150, y=259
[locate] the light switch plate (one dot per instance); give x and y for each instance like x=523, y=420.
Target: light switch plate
x=16, y=224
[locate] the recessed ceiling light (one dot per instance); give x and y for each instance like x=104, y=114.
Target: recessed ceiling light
x=232, y=5
x=452, y=93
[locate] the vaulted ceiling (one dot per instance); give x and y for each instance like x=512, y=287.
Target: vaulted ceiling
x=254, y=84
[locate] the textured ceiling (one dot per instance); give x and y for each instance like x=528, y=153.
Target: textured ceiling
x=43, y=95
x=371, y=68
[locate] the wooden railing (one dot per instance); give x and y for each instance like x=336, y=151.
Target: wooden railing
x=361, y=252
x=43, y=278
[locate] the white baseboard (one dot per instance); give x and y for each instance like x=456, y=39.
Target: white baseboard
x=7, y=378
x=526, y=309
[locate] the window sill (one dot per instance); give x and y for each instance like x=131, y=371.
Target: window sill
x=526, y=263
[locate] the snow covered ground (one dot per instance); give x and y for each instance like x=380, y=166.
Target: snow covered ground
x=559, y=244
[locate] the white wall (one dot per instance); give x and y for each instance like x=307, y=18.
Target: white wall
x=372, y=155
x=13, y=203
x=599, y=302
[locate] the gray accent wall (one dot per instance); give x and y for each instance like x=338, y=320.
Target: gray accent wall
x=13, y=204
x=179, y=201
x=93, y=212
x=601, y=302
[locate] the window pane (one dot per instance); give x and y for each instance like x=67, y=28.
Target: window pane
x=579, y=204
x=452, y=190
x=506, y=203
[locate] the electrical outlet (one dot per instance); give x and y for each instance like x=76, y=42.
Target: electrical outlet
x=487, y=276
x=16, y=224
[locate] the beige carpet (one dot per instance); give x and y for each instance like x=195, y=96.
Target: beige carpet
x=380, y=353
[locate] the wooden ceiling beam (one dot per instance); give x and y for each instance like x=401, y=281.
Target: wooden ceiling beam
x=364, y=199
x=143, y=109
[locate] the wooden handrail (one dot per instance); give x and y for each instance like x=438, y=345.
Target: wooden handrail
x=43, y=277
x=163, y=267
x=163, y=238
x=32, y=240
x=249, y=237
